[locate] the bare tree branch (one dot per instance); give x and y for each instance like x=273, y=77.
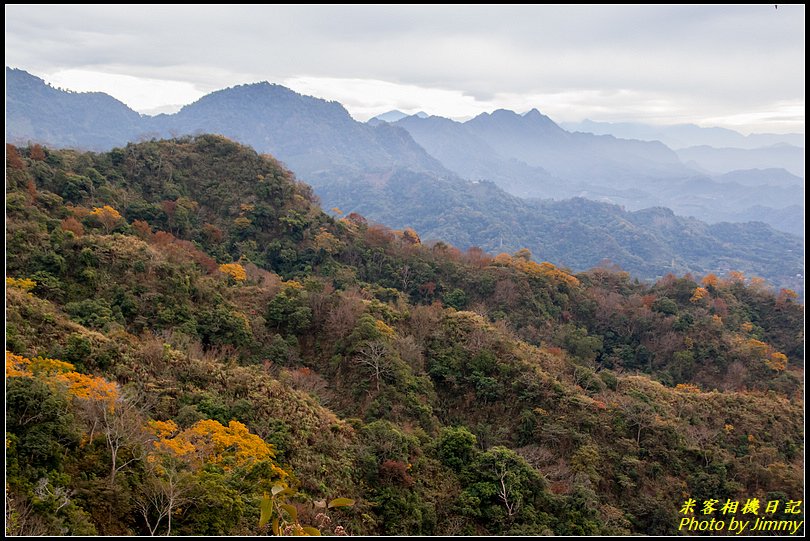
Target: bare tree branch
x=374, y=355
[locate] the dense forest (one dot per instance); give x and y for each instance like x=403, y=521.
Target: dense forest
x=195, y=347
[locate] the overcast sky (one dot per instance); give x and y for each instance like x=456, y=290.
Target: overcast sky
x=735, y=66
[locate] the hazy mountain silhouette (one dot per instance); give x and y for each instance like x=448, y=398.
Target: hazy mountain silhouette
x=533, y=149
x=308, y=134
x=724, y=160
x=36, y=111
x=757, y=177
x=531, y=156
x=469, y=155
x=679, y=136
x=394, y=115
x=390, y=116
x=536, y=140
x=381, y=172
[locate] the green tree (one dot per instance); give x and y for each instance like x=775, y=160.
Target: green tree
x=456, y=447
x=289, y=310
x=456, y=298
x=503, y=489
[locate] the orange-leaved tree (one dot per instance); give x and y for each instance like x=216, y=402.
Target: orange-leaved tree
x=210, y=442
x=234, y=270
x=107, y=216
x=699, y=294
x=178, y=459
x=106, y=412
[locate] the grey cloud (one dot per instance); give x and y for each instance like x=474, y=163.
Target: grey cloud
x=743, y=56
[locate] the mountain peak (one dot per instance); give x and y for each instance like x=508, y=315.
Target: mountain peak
x=536, y=116
x=261, y=86
x=532, y=120
x=269, y=98
x=390, y=116
x=394, y=116
x=504, y=113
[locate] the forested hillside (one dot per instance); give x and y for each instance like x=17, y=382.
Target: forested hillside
x=194, y=347
x=577, y=233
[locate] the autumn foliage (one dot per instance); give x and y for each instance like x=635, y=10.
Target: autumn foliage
x=73, y=225
x=37, y=153
x=234, y=270
x=699, y=294
x=179, y=250
x=107, y=216
x=777, y=361
x=13, y=159
x=687, y=388
x=710, y=280
x=447, y=392
x=210, y=442
x=26, y=284
x=60, y=374
x=523, y=262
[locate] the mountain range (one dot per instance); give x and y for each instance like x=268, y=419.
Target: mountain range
x=679, y=136
x=531, y=156
x=433, y=174
x=725, y=159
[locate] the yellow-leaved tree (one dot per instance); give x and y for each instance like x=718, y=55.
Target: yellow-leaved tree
x=107, y=216
x=710, y=280
x=105, y=411
x=178, y=459
x=62, y=376
x=26, y=284
x=699, y=294
x=234, y=270
x=210, y=442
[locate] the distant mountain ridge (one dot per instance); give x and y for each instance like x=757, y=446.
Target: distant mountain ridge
x=534, y=147
x=396, y=178
x=393, y=116
x=531, y=156
x=38, y=112
x=725, y=159
x=678, y=136
x=577, y=233
x=309, y=134
x=537, y=140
